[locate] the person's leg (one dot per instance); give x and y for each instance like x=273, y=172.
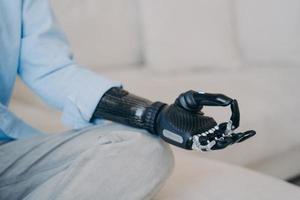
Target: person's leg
x=102, y=162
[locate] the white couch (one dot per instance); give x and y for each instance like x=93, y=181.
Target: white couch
x=158, y=49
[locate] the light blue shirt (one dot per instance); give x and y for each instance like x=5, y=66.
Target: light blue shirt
x=33, y=47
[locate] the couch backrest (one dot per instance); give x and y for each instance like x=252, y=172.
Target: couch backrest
x=181, y=34
x=189, y=34
x=269, y=31
x=102, y=33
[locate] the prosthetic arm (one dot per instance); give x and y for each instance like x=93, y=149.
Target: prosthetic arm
x=181, y=123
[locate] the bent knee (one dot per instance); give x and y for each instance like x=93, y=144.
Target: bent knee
x=147, y=148
x=158, y=153
x=151, y=151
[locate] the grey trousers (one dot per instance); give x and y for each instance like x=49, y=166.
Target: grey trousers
x=100, y=162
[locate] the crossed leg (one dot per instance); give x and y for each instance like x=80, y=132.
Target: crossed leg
x=100, y=162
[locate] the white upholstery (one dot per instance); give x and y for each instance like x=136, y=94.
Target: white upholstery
x=269, y=31
x=188, y=34
x=196, y=178
x=101, y=32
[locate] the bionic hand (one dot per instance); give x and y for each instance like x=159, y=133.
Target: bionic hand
x=181, y=123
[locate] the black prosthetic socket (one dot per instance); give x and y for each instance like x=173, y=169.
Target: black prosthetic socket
x=120, y=106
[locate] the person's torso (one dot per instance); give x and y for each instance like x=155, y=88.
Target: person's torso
x=10, y=40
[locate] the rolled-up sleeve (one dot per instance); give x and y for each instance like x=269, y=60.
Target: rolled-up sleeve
x=48, y=68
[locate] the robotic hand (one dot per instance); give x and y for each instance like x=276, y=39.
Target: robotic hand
x=181, y=123
x=184, y=125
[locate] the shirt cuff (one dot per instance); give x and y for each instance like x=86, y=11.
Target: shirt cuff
x=80, y=106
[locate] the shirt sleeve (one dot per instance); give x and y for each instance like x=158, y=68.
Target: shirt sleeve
x=48, y=68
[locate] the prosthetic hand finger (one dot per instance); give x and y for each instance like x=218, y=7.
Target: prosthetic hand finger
x=241, y=137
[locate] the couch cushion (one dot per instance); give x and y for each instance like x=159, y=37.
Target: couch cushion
x=188, y=34
x=197, y=178
x=269, y=31
x=101, y=32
